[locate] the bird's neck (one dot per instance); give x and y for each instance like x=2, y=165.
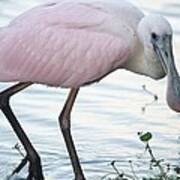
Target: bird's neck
x=135, y=62
x=143, y=61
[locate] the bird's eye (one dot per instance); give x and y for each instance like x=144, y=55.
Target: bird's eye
x=154, y=36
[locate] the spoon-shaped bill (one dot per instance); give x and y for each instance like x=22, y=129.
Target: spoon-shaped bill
x=164, y=50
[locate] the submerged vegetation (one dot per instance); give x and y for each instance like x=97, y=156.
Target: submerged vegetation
x=155, y=98
x=158, y=168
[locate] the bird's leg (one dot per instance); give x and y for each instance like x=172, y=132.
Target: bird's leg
x=65, y=125
x=35, y=168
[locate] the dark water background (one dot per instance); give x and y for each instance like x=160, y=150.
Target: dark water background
x=105, y=119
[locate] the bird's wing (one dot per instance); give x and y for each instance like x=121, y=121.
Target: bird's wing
x=64, y=13
x=57, y=46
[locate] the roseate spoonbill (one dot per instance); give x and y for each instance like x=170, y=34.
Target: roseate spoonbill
x=70, y=44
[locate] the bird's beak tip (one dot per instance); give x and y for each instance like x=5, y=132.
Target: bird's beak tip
x=173, y=97
x=174, y=108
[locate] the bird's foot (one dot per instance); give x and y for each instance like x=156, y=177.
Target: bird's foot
x=35, y=168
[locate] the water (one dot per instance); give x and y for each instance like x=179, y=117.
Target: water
x=105, y=119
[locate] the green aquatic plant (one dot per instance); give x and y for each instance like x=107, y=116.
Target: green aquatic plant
x=162, y=170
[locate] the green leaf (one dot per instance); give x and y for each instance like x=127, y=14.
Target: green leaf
x=146, y=137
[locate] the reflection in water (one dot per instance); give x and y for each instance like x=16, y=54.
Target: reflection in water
x=105, y=120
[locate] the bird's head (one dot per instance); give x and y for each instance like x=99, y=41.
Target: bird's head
x=155, y=33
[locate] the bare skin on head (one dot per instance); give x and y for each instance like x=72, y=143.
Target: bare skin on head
x=155, y=33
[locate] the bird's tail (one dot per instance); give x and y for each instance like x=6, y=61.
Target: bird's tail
x=5, y=75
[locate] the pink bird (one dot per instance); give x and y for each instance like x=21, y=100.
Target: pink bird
x=71, y=44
